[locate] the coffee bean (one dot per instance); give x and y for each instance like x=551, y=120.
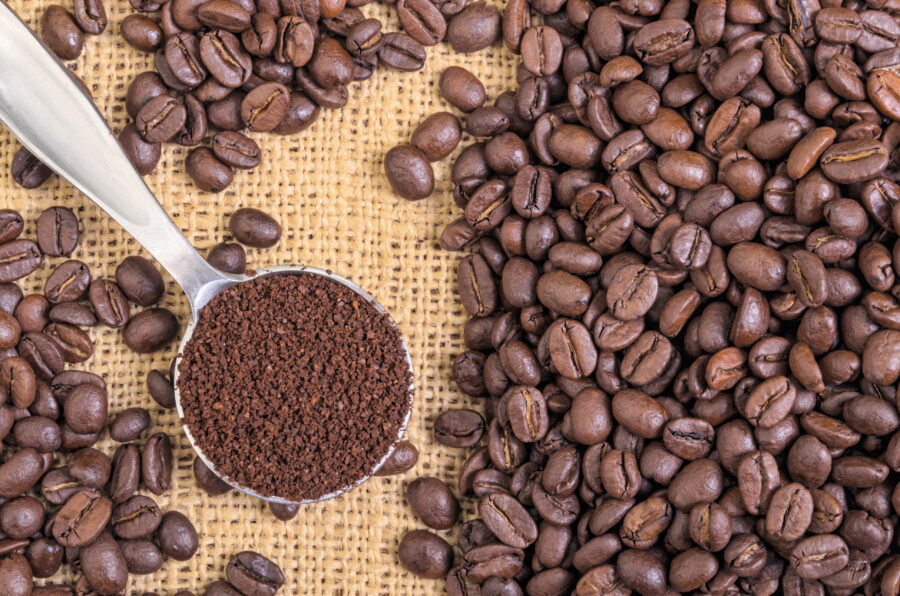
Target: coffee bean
x=161, y=118
x=284, y=512
x=103, y=565
x=60, y=32
x=422, y=20
x=136, y=518
x=129, y=424
x=251, y=573
x=57, y=232
x=86, y=408
x=68, y=282
x=45, y=557
x=143, y=155
x=402, y=52
x=409, y=172
x=433, y=502
x=228, y=257
x=254, y=228
x=27, y=170
x=236, y=150
x=402, y=458
x=177, y=536
x=425, y=554
x=141, y=33
x=207, y=172
x=160, y=389
x=508, y=520
x=474, y=28
x=150, y=330
x=16, y=574
x=141, y=556
x=459, y=428
x=437, y=136
x=18, y=258
x=126, y=473
x=207, y=480
x=82, y=519
x=462, y=89
x=156, y=463
x=140, y=281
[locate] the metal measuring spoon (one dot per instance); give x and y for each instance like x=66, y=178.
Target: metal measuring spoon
x=44, y=107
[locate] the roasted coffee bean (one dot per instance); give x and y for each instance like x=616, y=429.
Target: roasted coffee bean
x=437, y=136
x=85, y=408
x=207, y=479
x=425, y=554
x=103, y=565
x=402, y=52
x=459, y=428
x=508, y=520
x=143, y=155
x=251, y=573
x=140, y=281
x=61, y=33
x=177, y=536
x=433, y=503
x=156, y=463
x=68, y=282
x=474, y=28
x=141, y=32
x=284, y=512
x=254, y=228
x=161, y=118
x=462, y=89
x=129, y=424
x=57, y=232
x=422, y=20
x=150, y=330
x=409, y=172
x=402, y=458
x=229, y=257
x=236, y=150
x=207, y=172
x=18, y=258
x=160, y=389
x=82, y=519
x=126, y=473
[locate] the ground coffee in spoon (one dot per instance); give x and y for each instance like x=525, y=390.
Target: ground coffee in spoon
x=294, y=386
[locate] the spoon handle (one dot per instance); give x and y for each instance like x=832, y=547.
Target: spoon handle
x=42, y=105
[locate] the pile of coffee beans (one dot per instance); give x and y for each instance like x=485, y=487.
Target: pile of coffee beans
x=266, y=66
x=294, y=386
x=62, y=500
x=683, y=298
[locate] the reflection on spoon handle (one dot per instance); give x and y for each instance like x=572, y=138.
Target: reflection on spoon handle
x=42, y=105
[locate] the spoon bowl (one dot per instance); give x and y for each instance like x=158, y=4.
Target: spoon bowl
x=43, y=105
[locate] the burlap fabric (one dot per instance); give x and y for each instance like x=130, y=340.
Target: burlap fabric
x=328, y=190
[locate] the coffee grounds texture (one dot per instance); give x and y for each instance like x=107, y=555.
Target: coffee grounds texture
x=294, y=386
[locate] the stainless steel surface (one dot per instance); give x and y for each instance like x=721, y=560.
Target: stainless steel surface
x=47, y=110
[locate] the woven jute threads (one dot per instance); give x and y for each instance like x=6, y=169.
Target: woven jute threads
x=327, y=189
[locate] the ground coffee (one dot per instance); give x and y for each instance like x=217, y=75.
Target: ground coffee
x=294, y=386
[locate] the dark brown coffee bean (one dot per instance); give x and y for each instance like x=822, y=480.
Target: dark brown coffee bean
x=508, y=520
x=27, y=170
x=160, y=389
x=251, y=573
x=161, y=118
x=409, y=172
x=177, y=536
x=61, y=33
x=459, y=428
x=474, y=28
x=432, y=501
x=68, y=282
x=402, y=52
x=425, y=554
x=82, y=519
x=228, y=257
x=141, y=32
x=402, y=458
x=126, y=473
x=207, y=172
x=462, y=89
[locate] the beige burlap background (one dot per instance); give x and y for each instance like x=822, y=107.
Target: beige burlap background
x=328, y=190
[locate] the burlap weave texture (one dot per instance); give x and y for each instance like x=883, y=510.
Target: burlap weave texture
x=327, y=188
